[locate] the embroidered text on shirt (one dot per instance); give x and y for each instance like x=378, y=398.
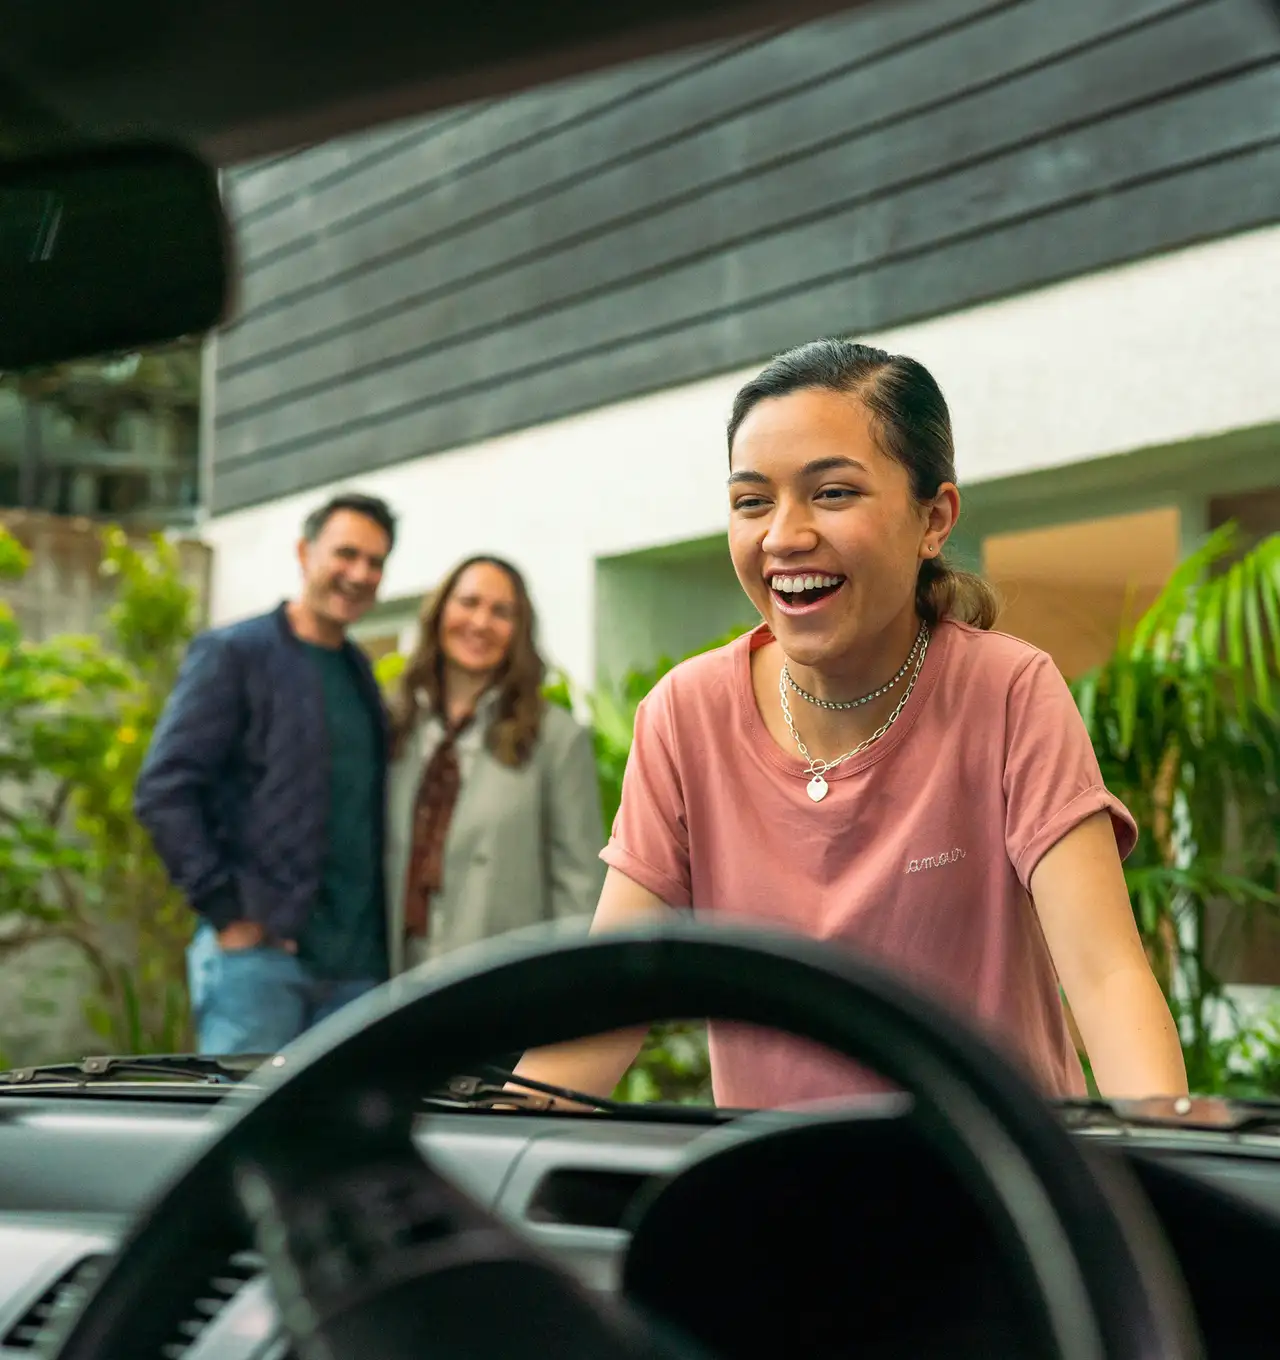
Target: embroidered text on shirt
x=935, y=861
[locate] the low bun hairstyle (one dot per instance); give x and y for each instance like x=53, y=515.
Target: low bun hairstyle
x=913, y=425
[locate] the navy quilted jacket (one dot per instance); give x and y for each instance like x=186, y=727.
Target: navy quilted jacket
x=234, y=791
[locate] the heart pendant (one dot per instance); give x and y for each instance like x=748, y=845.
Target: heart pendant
x=816, y=788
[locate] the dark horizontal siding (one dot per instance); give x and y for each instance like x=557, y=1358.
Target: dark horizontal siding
x=495, y=267
x=269, y=189
x=594, y=186
x=515, y=162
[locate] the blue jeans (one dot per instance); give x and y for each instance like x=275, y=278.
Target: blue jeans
x=257, y=1000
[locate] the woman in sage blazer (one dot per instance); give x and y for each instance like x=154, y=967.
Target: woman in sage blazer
x=493, y=805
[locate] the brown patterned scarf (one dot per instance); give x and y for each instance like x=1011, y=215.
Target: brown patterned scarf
x=432, y=812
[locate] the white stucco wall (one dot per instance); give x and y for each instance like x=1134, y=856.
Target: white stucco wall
x=1168, y=350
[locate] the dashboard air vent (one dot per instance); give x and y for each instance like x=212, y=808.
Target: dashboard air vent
x=220, y=1288
x=582, y=1198
x=65, y=1295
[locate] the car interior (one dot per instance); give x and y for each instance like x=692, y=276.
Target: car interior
x=374, y=1191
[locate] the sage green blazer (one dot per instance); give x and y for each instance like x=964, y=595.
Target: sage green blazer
x=523, y=844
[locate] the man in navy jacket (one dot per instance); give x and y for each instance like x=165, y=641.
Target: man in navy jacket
x=263, y=792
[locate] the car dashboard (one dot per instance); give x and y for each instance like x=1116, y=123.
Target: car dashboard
x=75, y=1167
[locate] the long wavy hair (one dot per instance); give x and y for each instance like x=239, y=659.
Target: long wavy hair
x=517, y=718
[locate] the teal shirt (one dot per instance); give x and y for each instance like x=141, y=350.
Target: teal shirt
x=345, y=935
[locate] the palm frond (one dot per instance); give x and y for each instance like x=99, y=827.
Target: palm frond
x=1223, y=622
x=1202, y=881
x=1160, y=628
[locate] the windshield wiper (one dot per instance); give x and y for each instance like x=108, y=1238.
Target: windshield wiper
x=502, y=1078
x=492, y=1091
x=213, y=1071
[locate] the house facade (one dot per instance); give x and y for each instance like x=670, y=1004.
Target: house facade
x=523, y=321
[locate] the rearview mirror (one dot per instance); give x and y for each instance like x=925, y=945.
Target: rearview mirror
x=106, y=250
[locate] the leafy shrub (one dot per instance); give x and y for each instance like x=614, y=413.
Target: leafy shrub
x=1185, y=725
x=76, y=715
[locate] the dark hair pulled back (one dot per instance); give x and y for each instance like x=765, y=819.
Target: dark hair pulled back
x=913, y=426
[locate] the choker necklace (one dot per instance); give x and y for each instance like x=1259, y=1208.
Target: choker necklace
x=817, y=785
x=866, y=698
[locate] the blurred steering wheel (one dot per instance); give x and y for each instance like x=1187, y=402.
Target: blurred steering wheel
x=374, y=1256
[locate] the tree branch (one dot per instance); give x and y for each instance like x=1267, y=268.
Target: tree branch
x=58, y=806
x=15, y=944
x=70, y=899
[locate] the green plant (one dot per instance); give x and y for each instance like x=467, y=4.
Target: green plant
x=558, y=690
x=673, y=1066
x=1185, y=725
x=613, y=719
x=388, y=669
x=76, y=715
x=1248, y=1059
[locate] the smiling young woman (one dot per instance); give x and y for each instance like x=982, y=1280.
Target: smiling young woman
x=874, y=766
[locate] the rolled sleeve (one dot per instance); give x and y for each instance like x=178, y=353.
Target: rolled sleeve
x=1052, y=778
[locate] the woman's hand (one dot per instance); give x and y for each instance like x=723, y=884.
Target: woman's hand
x=1080, y=895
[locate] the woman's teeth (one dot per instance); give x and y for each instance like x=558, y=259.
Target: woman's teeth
x=798, y=593
x=793, y=585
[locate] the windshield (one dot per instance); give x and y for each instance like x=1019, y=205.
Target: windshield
x=952, y=642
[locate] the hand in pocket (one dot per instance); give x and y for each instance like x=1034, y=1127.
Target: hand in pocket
x=240, y=935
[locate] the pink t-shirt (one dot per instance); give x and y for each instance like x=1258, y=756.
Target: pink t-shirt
x=919, y=857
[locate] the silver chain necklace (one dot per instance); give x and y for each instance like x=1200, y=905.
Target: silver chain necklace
x=817, y=785
x=866, y=698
